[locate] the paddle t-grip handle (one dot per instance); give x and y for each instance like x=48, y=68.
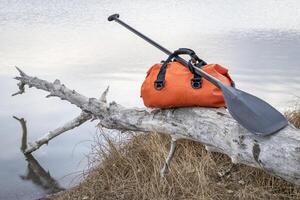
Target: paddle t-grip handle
x=113, y=17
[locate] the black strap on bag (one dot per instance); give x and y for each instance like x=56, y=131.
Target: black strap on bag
x=195, y=60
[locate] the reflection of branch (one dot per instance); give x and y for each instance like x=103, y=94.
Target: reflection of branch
x=36, y=173
x=39, y=176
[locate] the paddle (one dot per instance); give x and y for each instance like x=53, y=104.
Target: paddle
x=254, y=114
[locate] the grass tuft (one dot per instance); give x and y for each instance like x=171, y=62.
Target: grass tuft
x=294, y=116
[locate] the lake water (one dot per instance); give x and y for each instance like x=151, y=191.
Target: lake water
x=259, y=41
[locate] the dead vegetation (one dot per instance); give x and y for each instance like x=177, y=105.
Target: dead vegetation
x=294, y=116
x=129, y=169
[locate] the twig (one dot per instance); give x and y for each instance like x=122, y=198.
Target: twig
x=83, y=117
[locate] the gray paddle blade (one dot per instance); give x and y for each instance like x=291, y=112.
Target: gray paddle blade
x=252, y=113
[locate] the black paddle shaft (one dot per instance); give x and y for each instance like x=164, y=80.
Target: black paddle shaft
x=115, y=17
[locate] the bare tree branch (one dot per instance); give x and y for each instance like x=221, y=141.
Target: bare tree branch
x=83, y=117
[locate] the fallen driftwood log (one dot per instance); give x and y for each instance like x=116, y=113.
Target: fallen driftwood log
x=278, y=154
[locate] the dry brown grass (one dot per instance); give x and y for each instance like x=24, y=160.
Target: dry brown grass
x=130, y=170
x=294, y=116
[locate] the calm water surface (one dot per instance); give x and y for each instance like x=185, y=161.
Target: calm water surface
x=259, y=41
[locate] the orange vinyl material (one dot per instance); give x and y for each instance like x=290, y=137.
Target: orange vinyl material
x=178, y=92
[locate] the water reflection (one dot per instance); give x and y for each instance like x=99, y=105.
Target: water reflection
x=40, y=177
x=35, y=172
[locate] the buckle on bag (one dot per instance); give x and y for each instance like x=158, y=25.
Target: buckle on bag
x=158, y=84
x=196, y=83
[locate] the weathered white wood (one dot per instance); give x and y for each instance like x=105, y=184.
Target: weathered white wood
x=278, y=154
x=167, y=163
x=83, y=117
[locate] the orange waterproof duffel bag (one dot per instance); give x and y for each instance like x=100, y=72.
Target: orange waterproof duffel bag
x=170, y=84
